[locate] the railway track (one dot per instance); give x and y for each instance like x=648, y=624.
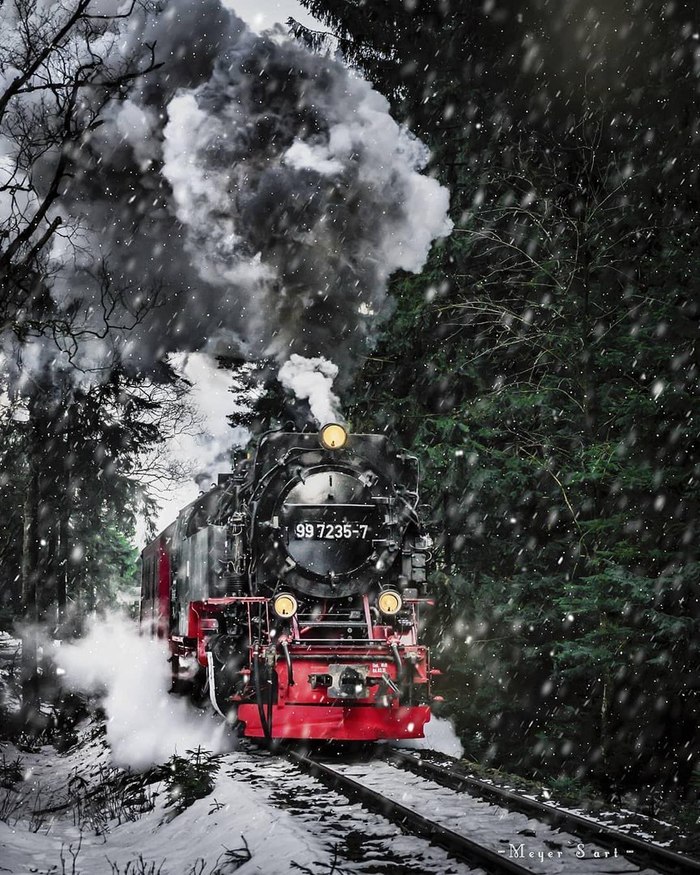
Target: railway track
x=487, y=827
x=642, y=851
x=342, y=834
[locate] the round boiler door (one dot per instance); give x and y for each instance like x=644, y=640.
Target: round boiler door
x=331, y=523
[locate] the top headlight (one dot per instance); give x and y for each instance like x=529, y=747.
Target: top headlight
x=333, y=436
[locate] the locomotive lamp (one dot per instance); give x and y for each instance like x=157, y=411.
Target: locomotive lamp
x=333, y=436
x=389, y=602
x=285, y=605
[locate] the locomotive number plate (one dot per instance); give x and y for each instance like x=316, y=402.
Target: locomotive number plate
x=317, y=531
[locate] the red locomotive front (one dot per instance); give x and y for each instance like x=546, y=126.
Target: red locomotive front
x=292, y=591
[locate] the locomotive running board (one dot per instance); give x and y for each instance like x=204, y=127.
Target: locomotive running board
x=210, y=684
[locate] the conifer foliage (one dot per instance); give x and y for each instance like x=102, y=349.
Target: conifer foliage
x=545, y=367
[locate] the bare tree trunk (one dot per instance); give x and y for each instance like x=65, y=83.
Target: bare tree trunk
x=30, y=602
x=48, y=592
x=63, y=555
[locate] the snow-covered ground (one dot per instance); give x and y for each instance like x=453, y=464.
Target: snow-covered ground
x=262, y=816
x=440, y=736
x=202, y=838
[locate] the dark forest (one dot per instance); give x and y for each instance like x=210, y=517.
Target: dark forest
x=543, y=365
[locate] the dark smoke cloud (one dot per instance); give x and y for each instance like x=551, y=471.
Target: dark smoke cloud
x=267, y=190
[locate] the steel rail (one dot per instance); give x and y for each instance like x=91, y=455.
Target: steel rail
x=660, y=858
x=461, y=847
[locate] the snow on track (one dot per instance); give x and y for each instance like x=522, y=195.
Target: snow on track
x=365, y=842
x=527, y=841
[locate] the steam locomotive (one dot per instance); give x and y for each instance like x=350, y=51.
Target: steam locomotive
x=291, y=592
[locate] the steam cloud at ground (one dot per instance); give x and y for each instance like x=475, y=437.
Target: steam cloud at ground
x=440, y=735
x=145, y=725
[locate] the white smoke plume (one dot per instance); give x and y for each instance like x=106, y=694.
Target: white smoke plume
x=211, y=396
x=265, y=187
x=206, y=452
x=145, y=725
x=311, y=379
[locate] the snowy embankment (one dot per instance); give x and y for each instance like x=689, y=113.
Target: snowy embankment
x=76, y=807
x=53, y=818
x=78, y=812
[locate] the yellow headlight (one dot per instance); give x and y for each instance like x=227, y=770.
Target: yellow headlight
x=285, y=605
x=389, y=602
x=333, y=436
